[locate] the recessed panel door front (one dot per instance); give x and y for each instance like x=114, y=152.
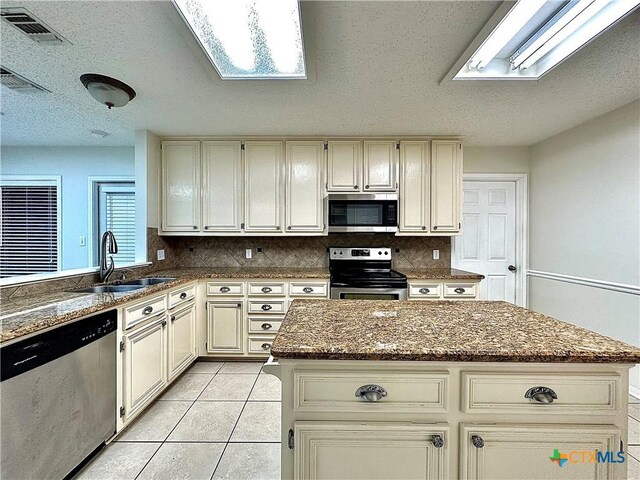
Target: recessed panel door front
x=264, y=192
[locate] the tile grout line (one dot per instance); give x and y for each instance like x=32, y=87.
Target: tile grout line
x=235, y=425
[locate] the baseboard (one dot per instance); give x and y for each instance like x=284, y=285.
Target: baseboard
x=634, y=392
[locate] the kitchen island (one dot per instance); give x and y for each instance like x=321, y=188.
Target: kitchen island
x=469, y=390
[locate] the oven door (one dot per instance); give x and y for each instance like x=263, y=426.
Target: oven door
x=363, y=213
x=346, y=293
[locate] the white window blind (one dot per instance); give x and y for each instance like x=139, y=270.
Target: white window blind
x=118, y=214
x=28, y=228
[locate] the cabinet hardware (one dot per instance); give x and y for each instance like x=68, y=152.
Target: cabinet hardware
x=290, y=440
x=396, y=185
x=326, y=146
x=277, y=227
x=164, y=323
x=242, y=226
x=435, y=228
x=266, y=326
x=371, y=393
x=147, y=310
x=173, y=318
x=355, y=186
x=424, y=290
x=477, y=441
x=437, y=441
x=541, y=395
x=512, y=268
x=183, y=295
x=459, y=290
x=307, y=289
x=206, y=227
x=225, y=289
x=266, y=307
x=122, y=411
x=289, y=227
x=122, y=346
x=459, y=225
x=195, y=227
x=242, y=146
x=366, y=186
x=266, y=346
x=397, y=146
x=266, y=289
x=424, y=228
x=239, y=305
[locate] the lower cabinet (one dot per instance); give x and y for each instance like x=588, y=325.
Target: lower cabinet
x=513, y=452
x=225, y=332
x=182, y=339
x=145, y=364
x=345, y=450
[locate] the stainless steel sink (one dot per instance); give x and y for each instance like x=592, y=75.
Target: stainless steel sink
x=109, y=288
x=145, y=282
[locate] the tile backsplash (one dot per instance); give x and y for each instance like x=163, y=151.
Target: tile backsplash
x=302, y=252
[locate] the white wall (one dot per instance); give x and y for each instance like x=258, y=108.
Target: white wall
x=496, y=159
x=75, y=165
x=585, y=222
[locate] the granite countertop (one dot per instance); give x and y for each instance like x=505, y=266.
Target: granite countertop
x=440, y=274
x=469, y=331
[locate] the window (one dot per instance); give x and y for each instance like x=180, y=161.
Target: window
x=29, y=226
x=116, y=211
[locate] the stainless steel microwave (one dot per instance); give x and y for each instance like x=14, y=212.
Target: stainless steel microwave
x=365, y=212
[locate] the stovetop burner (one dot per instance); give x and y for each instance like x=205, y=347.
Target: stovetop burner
x=364, y=268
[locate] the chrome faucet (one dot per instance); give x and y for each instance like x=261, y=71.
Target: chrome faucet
x=106, y=271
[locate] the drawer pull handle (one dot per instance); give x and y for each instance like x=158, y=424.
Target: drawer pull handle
x=371, y=393
x=307, y=289
x=225, y=289
x=266, y=346
x=266, y=289
x=459, y=290
x=147, y=310
x=266, y=308
x=438, y=441
x=424, y=290
x=266, y=326
x=541, y=395
x=477, y=441
x=183, y=295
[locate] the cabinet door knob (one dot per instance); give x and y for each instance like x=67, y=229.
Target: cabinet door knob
x=366, y=186
x=277, y=227
x=173, y=318
x=266, y=346
x=206, y=227
x=266, y=307
x=459, y=290
x=307, y=289
x=435, y=227
x=437, y=441
x=147, y=310
x=371, y=393
x=195, y=227
x=477, y=441
x=239, y=305
x=225, y=289
x=164, y=323
x=183, y=295
x=512, y=268
x=266, y=326
x=266, y=289
x=424, y=228
x=355, y=187
x=541, y=395
x=424, y=290
x=289, y=227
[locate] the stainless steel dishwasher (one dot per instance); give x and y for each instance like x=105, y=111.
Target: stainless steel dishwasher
x=58, y=398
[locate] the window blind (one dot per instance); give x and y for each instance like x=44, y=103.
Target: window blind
x=120, y=213
x=28, y=229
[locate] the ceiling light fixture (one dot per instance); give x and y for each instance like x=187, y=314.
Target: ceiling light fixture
x=107, y=90
x=99, y=134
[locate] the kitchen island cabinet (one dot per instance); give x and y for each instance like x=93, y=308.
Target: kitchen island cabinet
x=468, y=390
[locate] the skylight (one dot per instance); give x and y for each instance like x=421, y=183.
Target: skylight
x=248, y=39
x=534, y=36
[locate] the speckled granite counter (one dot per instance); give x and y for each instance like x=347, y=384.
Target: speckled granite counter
x=440, y=274
x=438, y=331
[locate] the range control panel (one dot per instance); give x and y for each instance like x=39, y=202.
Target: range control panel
x=348, y=253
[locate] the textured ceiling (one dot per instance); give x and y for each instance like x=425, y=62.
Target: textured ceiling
x=374, y=70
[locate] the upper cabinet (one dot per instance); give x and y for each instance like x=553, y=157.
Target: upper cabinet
x=414, y=187
x=222, y=186
x=263, y=186
x=180, y=186
x=305, y=167
x=380, y=166
x=344, y=166
x=446, y=186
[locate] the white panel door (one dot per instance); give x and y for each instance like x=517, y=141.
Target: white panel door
x=180, y=186
x=380, y=165
x=414, y=187
x=264, y=192
x=182, y=340
x=225, y=332
x=446, y=185
x=488, y=241
x=222, y=186
x=305, y=167
x=344, y=166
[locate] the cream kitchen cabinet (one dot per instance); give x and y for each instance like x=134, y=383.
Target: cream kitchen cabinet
x=514, y=452
x=180, y=186
x=348, y=450
x=305, y=172
x=181, y=339
x=446, y=186
x=344, y=166
x=225, y=327
x=414, y=194
x=356, y=166
x=380, y=166
x=264, y=181
x=222, y=186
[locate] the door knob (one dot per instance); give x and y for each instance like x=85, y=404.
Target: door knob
x=512, y=268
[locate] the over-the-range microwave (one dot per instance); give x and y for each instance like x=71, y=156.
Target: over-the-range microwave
x=363, y=212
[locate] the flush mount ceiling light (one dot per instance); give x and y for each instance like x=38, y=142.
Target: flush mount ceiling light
x=248, y=39
x=98, y=134
x=526, y=39
x=107, y=90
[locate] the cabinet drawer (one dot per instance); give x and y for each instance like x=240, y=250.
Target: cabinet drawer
x=266, y=324
x=306, y=289
x=142, y=311
x=507, y=393
x=260, y=344
x=267, y=289
x=460, y=290
x=181, y=296
x=228, y=288
x=425, y=290
x=267, y=306
x=319, y=391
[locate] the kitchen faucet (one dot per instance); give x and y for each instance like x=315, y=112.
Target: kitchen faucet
x=106, y=271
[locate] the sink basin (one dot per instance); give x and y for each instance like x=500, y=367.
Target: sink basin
x=145, y=282
x=109, y=288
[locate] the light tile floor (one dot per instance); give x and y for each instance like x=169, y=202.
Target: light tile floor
x=218, y=421
x=222, y=421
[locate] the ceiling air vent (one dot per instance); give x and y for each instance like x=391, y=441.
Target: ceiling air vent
x=31, y=26
x=17, y=82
